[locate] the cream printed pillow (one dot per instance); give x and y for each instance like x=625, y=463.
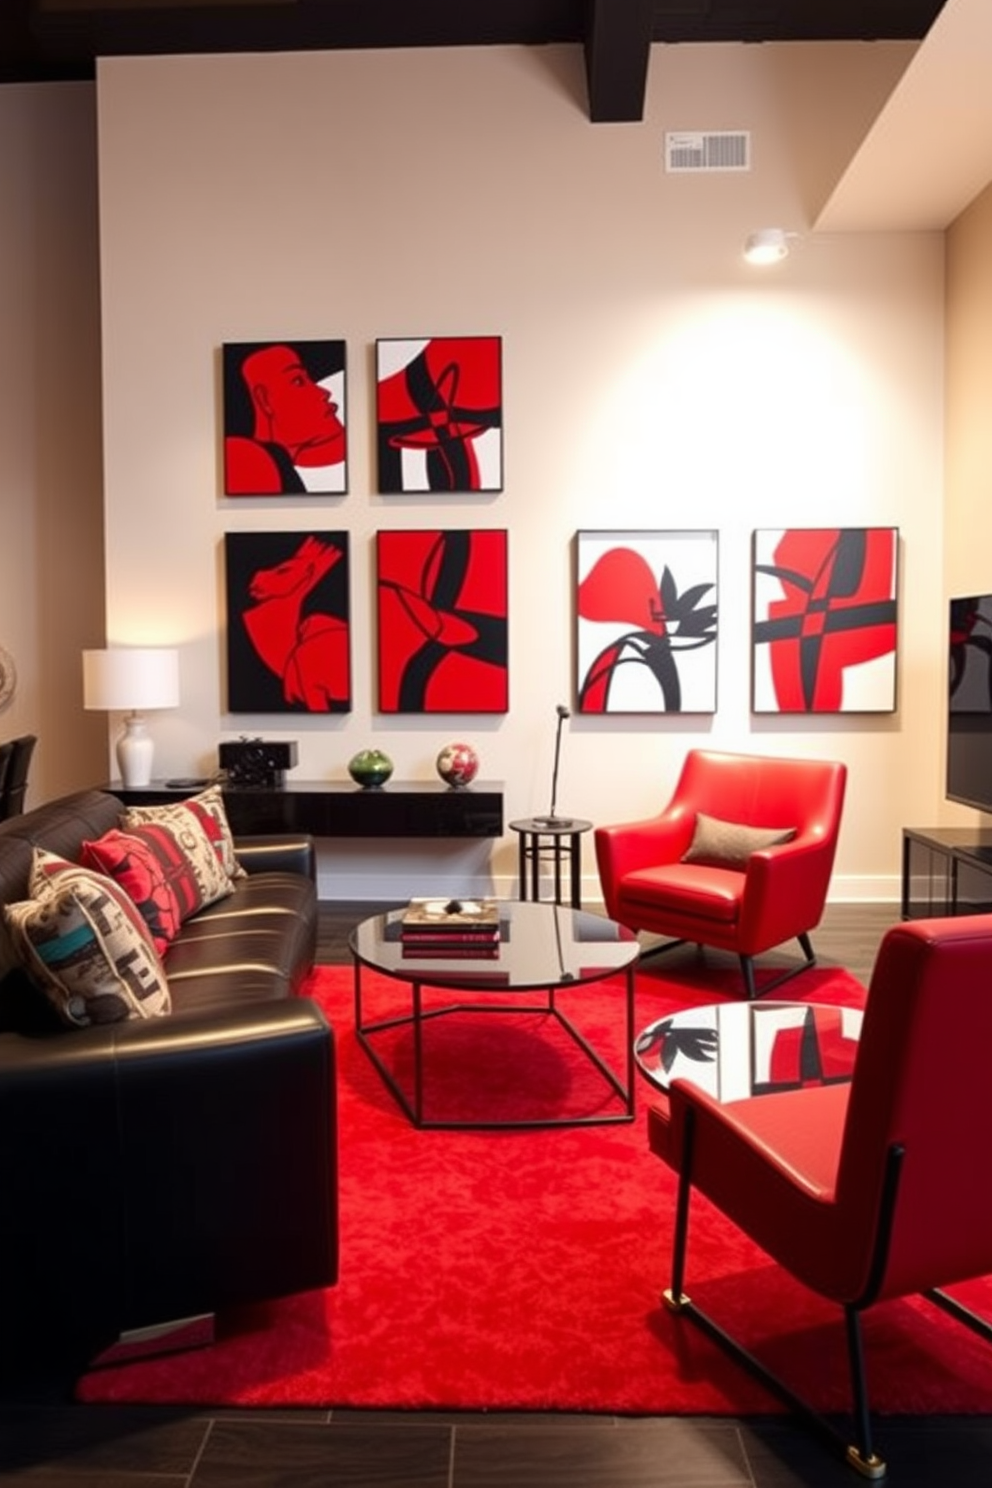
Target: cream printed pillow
x=195, y=833
x=83, y=942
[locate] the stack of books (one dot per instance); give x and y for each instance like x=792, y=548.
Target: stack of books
x=450, y=927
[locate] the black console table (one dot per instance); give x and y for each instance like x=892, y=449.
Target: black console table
x=946, y=871
x=341, y=809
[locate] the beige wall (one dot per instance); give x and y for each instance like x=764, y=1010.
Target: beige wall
x=51, y=499
x=968, y=457
x=651, y=380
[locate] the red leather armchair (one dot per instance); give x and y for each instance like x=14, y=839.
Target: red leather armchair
x=773, y=894
x=866, y=1191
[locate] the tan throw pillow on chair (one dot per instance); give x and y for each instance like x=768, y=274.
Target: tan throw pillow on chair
x=723, y=844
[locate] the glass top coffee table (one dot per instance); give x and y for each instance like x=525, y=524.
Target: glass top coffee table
x=735, y=1050
x=544, y=952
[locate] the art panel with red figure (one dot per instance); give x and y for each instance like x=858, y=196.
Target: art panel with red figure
x=442, y=621
x=825, y=620
x=288, y=622
x=646, y=622
x=439, y=414
x=284, y=418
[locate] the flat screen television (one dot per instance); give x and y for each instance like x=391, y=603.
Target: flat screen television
x=969, y=702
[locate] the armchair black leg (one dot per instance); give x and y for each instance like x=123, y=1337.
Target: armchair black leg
x=747, y=968
x=675, y=1298
x=858, y=1454
x=861, y=1456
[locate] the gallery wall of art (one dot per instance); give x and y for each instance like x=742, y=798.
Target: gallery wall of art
x=664, y=424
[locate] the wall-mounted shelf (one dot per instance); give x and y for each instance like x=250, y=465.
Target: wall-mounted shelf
x=341, y=809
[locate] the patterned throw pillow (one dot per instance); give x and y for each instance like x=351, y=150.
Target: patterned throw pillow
x=211, y=803
x=85, y=944
x=208, y=808
x=723, y=844
x=194, y=834
x=153, y=871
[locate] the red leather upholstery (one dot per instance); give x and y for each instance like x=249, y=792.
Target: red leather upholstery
x=871, y=1190
x=781, y=893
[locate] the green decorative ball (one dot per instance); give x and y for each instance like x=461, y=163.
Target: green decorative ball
x=370, y=768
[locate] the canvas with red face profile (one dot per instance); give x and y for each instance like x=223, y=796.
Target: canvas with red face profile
x=284, y=418
x=288, y=622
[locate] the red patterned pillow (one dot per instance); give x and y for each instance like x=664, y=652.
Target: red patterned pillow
x=153, y=871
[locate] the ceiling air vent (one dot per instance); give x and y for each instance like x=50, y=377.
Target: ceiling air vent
x=725, y=150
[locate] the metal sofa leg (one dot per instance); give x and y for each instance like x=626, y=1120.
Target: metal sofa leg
x=177, y=1336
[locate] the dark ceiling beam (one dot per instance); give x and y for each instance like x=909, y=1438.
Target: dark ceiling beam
x=618, y=48
x=59, y=39
x=793, y=20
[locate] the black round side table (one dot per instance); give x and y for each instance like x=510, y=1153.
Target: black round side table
x=553, y=840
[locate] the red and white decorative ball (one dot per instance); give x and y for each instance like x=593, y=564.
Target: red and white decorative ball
x=457, y=764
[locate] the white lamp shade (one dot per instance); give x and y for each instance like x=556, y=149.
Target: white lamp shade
x=129, y=679
x=125, y=678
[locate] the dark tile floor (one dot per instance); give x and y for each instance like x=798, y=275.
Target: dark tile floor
x=48, y=1442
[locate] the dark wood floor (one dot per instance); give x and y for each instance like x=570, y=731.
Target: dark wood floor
x=47, y=1442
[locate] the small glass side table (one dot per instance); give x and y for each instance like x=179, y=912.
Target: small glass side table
x=552, y=840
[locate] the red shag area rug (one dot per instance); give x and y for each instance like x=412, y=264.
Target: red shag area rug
x=523, y=1269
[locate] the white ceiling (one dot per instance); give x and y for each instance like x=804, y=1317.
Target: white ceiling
x=929, y=152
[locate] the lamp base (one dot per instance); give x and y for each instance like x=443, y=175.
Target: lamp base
x=552, y=821
x=135, y=751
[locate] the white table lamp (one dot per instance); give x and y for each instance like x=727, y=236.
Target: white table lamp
x=131, y=679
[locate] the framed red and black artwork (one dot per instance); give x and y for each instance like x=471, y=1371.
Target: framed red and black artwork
x=288, y=622
x=824, y=626
x=284, y=418
x=646, y=622
x=439, y=414
x=441, y=600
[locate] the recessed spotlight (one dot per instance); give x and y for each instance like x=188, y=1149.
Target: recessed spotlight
x=768, y=245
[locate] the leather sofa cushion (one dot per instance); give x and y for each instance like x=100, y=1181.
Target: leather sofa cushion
x=256, y=945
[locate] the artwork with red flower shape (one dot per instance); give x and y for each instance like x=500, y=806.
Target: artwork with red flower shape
x=439, y=414
x=646, y=622
x=442, y=621
x=824, y=620
x=288, y=622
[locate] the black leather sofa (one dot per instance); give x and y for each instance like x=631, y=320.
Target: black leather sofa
x=155, y=1170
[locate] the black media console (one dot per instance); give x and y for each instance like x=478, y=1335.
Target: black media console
x=946, y=871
